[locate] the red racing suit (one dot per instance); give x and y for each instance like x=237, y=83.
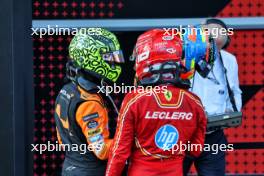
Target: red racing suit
x=150, y=124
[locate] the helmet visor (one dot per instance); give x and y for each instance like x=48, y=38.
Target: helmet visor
x=114, y=57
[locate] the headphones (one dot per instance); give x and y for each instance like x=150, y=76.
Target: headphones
x=221, y=23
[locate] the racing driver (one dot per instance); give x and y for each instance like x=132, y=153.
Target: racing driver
x=153, y=122
x=81, y=113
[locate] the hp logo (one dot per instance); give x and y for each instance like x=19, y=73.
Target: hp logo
x=166, y=137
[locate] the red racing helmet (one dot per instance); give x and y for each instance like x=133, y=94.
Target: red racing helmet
x=156, y=53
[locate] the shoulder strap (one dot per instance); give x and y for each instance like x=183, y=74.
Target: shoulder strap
x=230, y=92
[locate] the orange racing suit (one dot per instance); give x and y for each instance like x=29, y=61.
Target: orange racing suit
x=82, y=119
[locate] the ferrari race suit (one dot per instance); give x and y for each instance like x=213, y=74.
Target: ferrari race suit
x=150, y=124
x=82, y=119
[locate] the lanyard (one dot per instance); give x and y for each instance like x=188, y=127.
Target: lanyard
x=230, y=92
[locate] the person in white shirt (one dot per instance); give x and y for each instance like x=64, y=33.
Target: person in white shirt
x=213, y=92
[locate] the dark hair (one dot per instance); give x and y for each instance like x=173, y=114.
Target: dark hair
x=216, y=21
x=221, y=23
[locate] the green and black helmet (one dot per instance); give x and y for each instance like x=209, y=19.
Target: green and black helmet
x=97, y=50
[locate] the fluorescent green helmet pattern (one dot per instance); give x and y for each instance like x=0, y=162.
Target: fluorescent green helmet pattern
x=87, y=47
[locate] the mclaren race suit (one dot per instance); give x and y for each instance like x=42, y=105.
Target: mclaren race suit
x=82, y=119
x=150, y=124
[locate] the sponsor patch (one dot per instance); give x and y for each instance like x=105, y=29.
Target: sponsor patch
x=142, y=56
x=90, y=116
x=166, y=137
x=168, y=95
x=94, y=132
x=168, y=37
x=65, y=93
x=92, y=124
x=171, y=50
x=96, y=138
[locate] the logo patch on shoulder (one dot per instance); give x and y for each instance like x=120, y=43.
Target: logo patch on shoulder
x=92, y=124
x=96, y=138
x=168, y=95
x=94, y=132
x=90, y=116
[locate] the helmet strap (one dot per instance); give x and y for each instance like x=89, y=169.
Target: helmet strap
x=109, y=97
x=75, y=74
x=72, y=71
